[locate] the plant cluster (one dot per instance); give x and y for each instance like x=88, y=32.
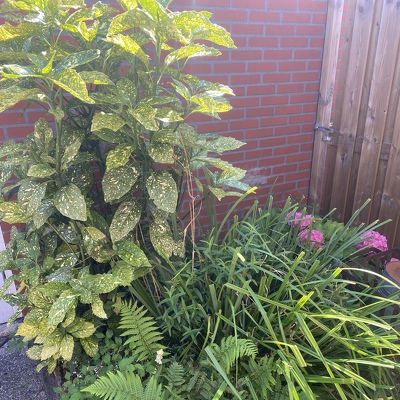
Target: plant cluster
x=101, y=180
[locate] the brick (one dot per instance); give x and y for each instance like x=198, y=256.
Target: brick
x=299, y=119
x=263, y=42
x=319, y=18
x=310, y=108
x=278, y=54
x=271, y=161
x=303, y=184
x=247, y=29
x=292, y=66
x=297, y=17
x=298, y=157
x=286, y=150
x=213, y=127
x=243, y=124
x=284, y=169
x=273, y=142
x=258, y=133
x=307, y=54
x=249, y=4
x=313, y=5
x=294, y=42
x=262, y=66
x=287, y=130
x=220, y=68
x=274, y=121
x=312, y=87
x=12, y=117
x=303, y=98
x=265, y=16
x=281, y=30
x=290, y=88
x=300, y=138
x=260, y=90
x=307, y=147
x=317, y=42
x=230, y=15
x=234, y=113
x=247, y=55
x=198, y=68
x=245, y=79
x=305, y=76
x=257, y=154
x=297, y=176
x=274, y=100
x=291, y=109
x=245, y=102
x=276, y=78
x=259, y=112
x=234, y=157
x=310, y=30
x=282, y=5
x=314, y=65
x=19, y=132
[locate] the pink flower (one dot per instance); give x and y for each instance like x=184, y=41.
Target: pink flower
x=316, y=238
x=298, y=220
x=373, y=239
x=394, y=259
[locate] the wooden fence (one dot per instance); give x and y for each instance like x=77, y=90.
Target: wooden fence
x=361, y=147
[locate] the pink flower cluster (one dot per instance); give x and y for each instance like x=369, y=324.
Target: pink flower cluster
x=373, y=239
x=298, y=220
x=316, y=238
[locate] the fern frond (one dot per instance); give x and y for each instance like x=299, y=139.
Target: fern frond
x=144, y=338
x=231, y=349
x=119, y=386
x=175, y=376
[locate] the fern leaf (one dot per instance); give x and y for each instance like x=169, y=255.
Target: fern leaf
x=117, y=386
x=231, y=349
x=144, y=338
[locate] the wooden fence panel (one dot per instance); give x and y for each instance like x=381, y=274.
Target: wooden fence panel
x=364, y=156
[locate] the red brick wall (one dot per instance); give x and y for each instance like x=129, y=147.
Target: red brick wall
x=274, y=73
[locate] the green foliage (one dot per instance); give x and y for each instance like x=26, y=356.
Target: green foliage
x=101, y=179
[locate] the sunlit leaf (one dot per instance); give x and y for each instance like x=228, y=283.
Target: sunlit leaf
x=189, y=51
x=154, y=8
x=43, y=212
x=67, y=347
x=119, y=156
x=14, y=94
x=162, y=240
x=70, y=81
x=145, y=114
x=81, y=328
x=15, y=71
x=25, y=29
x=129, y=45
x=88, y=32
x=107, y=121
x=41, y=171
x=67, y=300
x=125, y=219
x=210, y=105
x=95, y=77
x=12, y=213
x=118, y=181
x=76, y=59
x=132, y=254
x=70, y=202
x=128, y=4
x=163, y=191
x=129, y=20
x=90, y=346
x=98, y=307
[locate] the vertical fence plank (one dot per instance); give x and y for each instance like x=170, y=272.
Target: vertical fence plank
x=384, y=66
x=353, y=87
x=328, y=73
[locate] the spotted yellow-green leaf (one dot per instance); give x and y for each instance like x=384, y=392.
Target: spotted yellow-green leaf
x=81, y=328
x=118, y=181
x=162, y=152
x=210, y=105
x=95, y=77
x=15, y=71
x=14, y=94
x=70, y=202
x=70, y=152
x=65, y=259
x=163, y=191
x=67, y=347
x=97, y=244
x=189, y=51
x=197, y=25
x=108, y=135
x=128, y=4
x=34, y=352
x=222, y=143
x=90, y=346
x=35, y=199
x=124, y=272
x=145, y=114
x=72, y=3
x=125, y=219
x=63, y=274
x=167, y=114
x=97, y=307
x=70, y=81
x=129, y=19
x=129, y=45
x=102, y=283
x=41, y=170
x=132, y=254
x=28, y=329
x=25, y=29
x=119, y=156
x=12, y=213
x=162, y=240
x=88, y=32
x=43, y=134
x=220, y=193
x=67, y=300
x=154, y=8
x=107, y=121
x=43, y=212
x=76, y=59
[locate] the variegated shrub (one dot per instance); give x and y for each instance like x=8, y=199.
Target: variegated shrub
x=99, y=181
